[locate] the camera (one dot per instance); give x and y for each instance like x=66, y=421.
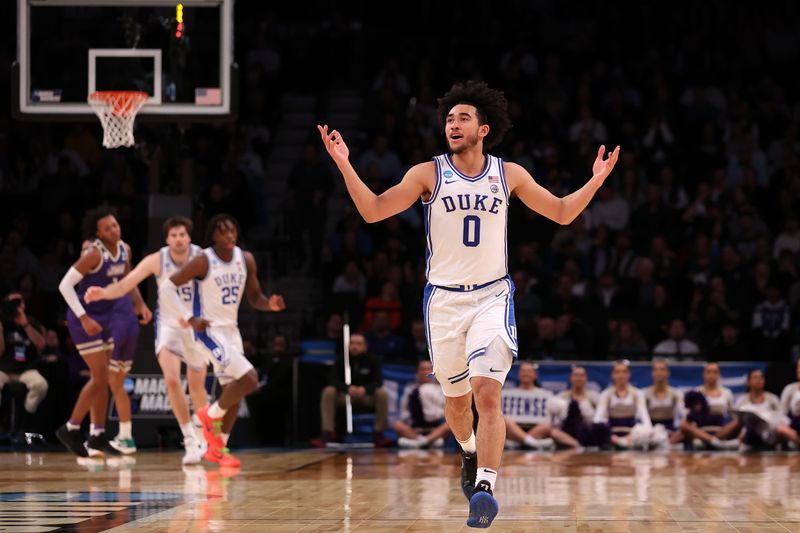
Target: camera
x=8, y=309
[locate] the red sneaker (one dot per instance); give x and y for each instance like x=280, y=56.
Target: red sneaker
x=322, y=441
x=211, y=429
x=222, y=457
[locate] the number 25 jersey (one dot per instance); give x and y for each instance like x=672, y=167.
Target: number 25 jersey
x=222, y=289
x=466, y=219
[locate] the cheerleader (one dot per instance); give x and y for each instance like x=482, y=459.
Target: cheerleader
x=790, y=406
x=709, y=413
x=622, y=409
x=758, y=413
x=664, y=403
x=581, y=405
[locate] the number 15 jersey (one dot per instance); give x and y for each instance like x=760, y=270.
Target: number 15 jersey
x=466, y=219
x=221, y=290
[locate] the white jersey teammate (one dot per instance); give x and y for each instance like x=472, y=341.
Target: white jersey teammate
x=468, y=308
x=173, y=342
x=224, y=275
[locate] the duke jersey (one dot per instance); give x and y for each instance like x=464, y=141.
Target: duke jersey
x=186, y=291
x=222, y=289
x=465, y=221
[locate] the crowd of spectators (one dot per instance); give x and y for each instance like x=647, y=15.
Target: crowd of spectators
x=691, y=249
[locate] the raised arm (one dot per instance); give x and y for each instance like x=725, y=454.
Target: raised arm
x=149, y=266
x=560, y=210
x=255, y=297
x=418, y=181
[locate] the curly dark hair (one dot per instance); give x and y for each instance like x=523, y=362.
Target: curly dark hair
x=93, y=217
x=219, y=222
x=491, y=106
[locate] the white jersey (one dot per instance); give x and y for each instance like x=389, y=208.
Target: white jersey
x=790, y=399
x=770, y=402
x=622, y=411
x=720, y=405
x=222, y=289
x=465, y=222
x=186, y=292
x=587, y=404
x=667, y=410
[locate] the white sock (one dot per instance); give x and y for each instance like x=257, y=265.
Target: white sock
x=530, y=441
x=225, y=437
x=73, y=427
x=125, y=430
x=95, y=431
x=188, y=430
x=469, y=445
x=486, y=474
x=215, y=411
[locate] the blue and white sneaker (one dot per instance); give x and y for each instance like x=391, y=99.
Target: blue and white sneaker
x=482, y=506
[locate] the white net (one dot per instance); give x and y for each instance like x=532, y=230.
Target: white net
x=117, y=111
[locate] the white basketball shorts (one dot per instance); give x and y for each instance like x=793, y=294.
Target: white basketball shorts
x=461, y=324
x=181, y=342
x=223, y=346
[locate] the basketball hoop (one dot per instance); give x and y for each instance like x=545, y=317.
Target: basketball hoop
x=117, y=111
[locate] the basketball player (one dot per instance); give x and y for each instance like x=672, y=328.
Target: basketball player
x=173, y=343
x=104, y=261
x=224, y=273
x=468, y=302
x=664, y=403
x=529, y=421
x=126, y=338
x=715, y=427
x=622, y=407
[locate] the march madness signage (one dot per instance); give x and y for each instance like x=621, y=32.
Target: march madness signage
x=149, y=399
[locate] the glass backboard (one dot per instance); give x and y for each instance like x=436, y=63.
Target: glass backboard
x=180, y=53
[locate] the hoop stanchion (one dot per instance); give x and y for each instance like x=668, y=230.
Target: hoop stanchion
x=117, y=111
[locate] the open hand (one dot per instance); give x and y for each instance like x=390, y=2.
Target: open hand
x=94, y=294
x=603, y=167
x=334, y=144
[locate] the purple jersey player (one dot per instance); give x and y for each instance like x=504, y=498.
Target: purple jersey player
x=105, y=260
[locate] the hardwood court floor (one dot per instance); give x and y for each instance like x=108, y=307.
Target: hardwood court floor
x=389, y=491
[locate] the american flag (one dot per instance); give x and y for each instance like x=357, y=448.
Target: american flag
x=494, y=179
x=208, y=96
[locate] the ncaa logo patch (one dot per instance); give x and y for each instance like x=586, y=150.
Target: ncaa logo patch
x=448, y=174
x=494, y=189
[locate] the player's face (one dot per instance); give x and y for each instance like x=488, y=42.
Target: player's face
x=527, y=375
x=108, y=230
x=462, y=128
x=711, y=375
x=578, y=378
x=660, y=373
x=225, y=235
x=756, y=382
x=178, y=239
x=620, y=375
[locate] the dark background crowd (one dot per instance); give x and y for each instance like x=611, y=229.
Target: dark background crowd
x=690, y=250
